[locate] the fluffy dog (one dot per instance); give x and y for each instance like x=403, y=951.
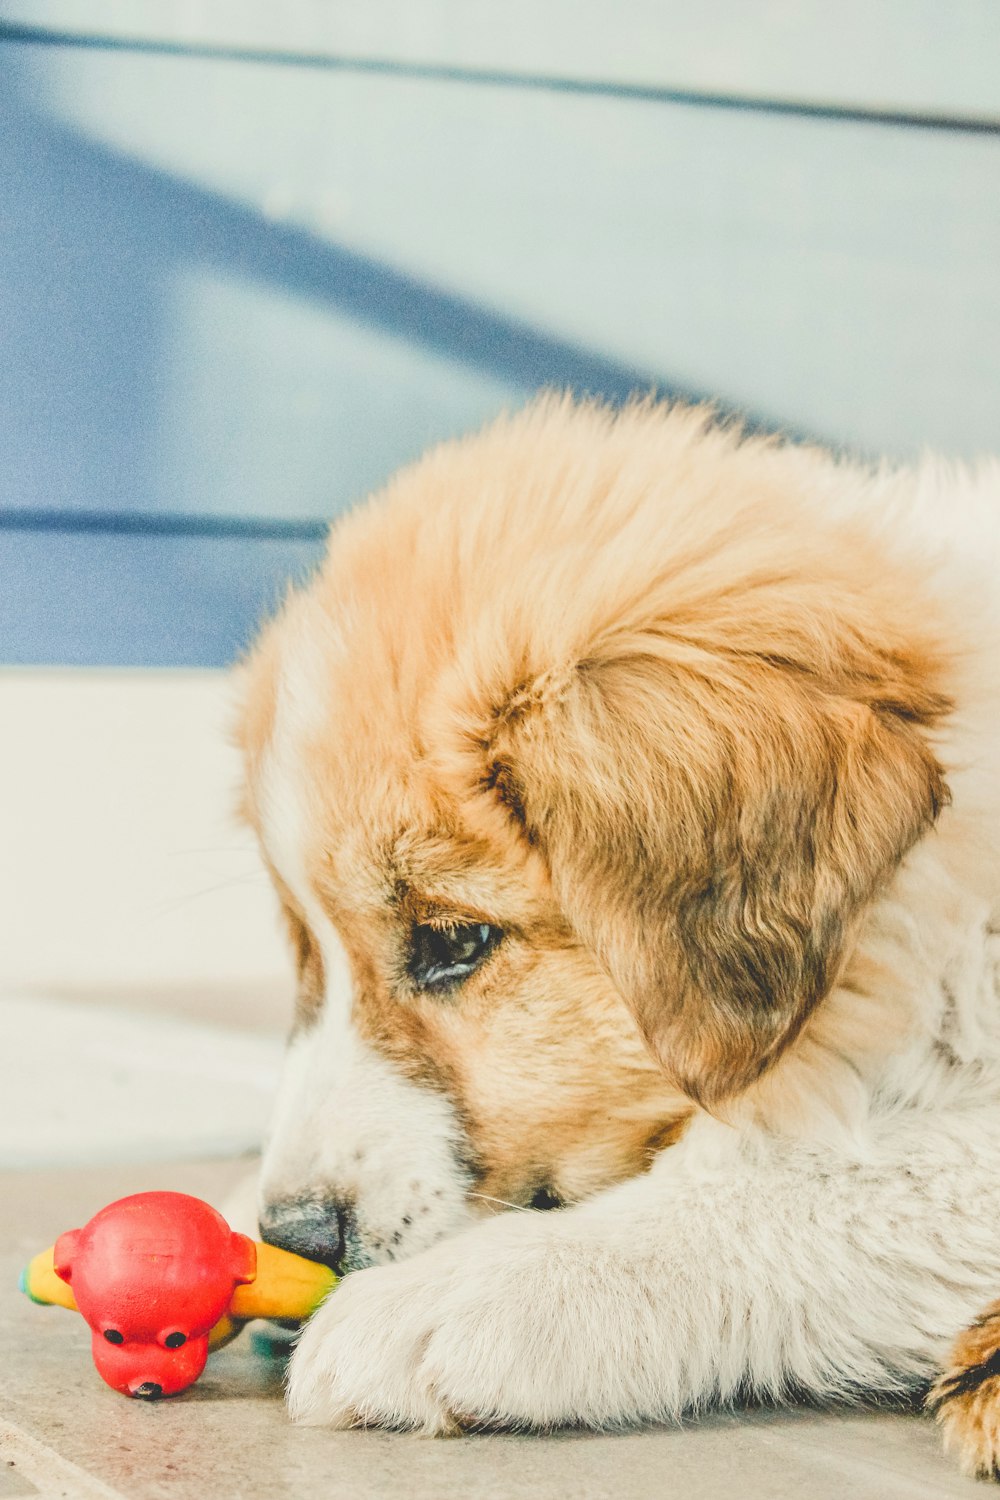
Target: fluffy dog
x=631, y=790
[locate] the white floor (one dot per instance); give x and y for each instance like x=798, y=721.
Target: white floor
x=87, y=1085
x=144, y=983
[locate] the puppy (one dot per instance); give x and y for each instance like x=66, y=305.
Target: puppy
x=631, y=791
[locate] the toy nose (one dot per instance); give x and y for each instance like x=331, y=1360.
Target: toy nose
x=147, y=1391
x=320, y=1230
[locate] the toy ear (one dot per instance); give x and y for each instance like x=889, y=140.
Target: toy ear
x=243, y=1259
x=64, y=1253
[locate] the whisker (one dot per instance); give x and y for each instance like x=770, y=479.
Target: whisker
x=166, y=908
x=234, y=851
x=519, y=1207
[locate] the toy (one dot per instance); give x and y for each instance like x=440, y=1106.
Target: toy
x=161, y=1279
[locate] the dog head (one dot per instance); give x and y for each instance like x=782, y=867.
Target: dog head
x=575, y=767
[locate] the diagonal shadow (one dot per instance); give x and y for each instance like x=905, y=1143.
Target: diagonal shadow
x=86, y=235
x=196, y=224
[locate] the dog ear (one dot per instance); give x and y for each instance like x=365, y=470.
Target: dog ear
x=713, y=825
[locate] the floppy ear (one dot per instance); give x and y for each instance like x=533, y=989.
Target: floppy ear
x=713, y=824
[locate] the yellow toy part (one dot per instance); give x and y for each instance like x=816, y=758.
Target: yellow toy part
x=284, y=1286
x=40, y=1282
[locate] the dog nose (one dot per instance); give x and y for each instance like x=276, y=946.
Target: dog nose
x=148, y=1390
x=318, y=1229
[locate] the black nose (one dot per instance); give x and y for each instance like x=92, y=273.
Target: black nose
x=322, y=1230
x=148, y=1391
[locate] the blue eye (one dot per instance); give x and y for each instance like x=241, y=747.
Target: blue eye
x=443, y=957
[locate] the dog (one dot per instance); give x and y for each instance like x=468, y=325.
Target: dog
x=630, y=786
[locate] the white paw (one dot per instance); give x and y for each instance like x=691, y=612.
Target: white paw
x=511, y=1323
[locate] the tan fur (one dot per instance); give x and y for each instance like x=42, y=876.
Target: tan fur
x=966, y=1398
x=624, y=687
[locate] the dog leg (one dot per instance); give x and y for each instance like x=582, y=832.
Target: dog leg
x=965, y=1399
x=772, y=1269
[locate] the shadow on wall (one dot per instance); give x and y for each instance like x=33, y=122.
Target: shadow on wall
x=91, y=245
x=89, y=239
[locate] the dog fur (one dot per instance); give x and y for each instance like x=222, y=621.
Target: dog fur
x=703, y=730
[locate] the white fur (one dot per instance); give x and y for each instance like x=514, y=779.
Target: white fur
x=349, y=1127
x=832, y=1233
x=775, y=1269
x=346, y=1125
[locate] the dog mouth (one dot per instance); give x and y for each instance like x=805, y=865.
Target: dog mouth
x=546, y=1198
x=327, y=1230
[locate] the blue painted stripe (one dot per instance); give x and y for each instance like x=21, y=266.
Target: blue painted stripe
x=100, y=599
x=11, y=31
x=166, y=524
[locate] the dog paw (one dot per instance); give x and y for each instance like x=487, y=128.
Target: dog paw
x=359, y=1362
x=965, y=1399
x=499, y=1326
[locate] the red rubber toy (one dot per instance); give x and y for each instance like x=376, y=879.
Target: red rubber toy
x=163, y=1280
x=152, y=1275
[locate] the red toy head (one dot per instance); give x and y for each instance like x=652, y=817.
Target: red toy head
x=152, y=1274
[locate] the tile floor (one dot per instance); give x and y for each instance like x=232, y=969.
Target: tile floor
x=64, y=1434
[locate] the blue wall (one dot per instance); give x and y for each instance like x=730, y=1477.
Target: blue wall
x=236, y=292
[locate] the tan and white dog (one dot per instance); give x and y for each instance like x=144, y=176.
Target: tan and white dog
x=632, y=791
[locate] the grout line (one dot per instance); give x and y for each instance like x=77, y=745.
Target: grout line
x=54, y=1477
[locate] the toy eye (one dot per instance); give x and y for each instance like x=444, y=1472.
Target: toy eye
x=113, y=1336
x=175, y=1340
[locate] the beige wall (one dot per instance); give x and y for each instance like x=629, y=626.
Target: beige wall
x=122, y=865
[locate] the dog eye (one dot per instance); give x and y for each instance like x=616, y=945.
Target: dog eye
x=175, y=1340
x=113, y=1336
x=441, y=957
